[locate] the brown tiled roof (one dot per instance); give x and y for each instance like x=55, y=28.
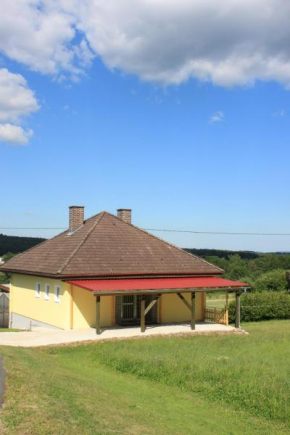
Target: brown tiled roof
x=109, y=247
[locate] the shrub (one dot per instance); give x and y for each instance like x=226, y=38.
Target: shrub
x=262, y=306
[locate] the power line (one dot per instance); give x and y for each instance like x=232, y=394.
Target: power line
x=31, y=228
x=219, y=232
x=164, y=230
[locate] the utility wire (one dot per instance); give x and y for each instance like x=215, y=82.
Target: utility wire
x=220, y=232
x=31, y=228
x=164, y=230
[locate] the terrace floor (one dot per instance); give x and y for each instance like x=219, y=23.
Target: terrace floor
x=47, y=337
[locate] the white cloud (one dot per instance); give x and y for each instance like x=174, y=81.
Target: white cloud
x=14, y=134
x=41, y=35
x=16, y=101
x=217, y=117
x=226, y=42
x=281, y=112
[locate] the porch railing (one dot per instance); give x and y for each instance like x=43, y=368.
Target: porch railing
x=216, y=315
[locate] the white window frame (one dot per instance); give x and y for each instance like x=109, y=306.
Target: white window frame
x=38, y=290
x=46, y=292
x=57, y=293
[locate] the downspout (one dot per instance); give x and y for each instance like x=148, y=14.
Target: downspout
x=71, y=320
x=11, y=303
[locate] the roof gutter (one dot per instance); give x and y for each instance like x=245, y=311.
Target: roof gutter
x=166, y=291
x=105, y=276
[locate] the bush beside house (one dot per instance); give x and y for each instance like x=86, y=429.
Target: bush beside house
x=262, y=306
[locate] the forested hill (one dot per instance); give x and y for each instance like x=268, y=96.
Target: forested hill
x=16, y=244
x=245, y=255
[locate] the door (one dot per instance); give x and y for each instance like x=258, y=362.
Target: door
x=128, y=310
x=4, y=310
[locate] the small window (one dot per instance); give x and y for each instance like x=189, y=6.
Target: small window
x=57, y=293
x=37, y=291
x=46, y=293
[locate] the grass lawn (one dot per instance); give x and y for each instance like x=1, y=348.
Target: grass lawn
x=215, y=300
x=223, y=385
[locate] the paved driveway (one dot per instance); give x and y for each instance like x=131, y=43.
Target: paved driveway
x=46, y=337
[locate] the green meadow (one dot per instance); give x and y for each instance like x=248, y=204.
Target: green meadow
x=220, y=384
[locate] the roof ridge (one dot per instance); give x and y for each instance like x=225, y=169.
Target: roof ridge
x=68, y=260
x=164, y=241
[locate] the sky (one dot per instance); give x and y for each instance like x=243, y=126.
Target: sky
x=177, y=110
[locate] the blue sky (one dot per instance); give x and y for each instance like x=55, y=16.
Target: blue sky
x=194, y=155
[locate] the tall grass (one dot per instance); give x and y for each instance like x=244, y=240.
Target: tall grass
x=250, y=372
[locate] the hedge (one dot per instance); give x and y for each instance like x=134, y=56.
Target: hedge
x=262, y=306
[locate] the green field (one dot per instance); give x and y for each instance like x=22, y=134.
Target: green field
x=223, y=385
x=218, y=300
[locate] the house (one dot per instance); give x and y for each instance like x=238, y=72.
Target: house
x=104, y=271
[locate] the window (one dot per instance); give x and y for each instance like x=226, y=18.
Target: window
x=57, y=293
x=37, y=291
x=46, y=293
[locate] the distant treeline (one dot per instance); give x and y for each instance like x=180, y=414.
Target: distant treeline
x=16, y=244
x=245, y=255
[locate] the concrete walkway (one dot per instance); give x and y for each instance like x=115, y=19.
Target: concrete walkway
x=47, y=337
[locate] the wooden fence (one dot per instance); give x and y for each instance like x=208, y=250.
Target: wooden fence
x=4, y=310
x=216, y=315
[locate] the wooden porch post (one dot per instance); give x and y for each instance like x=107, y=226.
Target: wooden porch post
x=238, y=310
x=98, y=306
x=227, y=309
x=143, y=327
x=192, y=323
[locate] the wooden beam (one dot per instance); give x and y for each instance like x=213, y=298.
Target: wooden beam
x=227, y=309
x=192, y=323
x=184, y=301
x=160, y=310
x=152, y=303
x=143, y=327
x=238, y=310
x=98, y=311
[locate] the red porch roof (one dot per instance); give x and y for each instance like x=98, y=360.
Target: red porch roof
x=139, y=284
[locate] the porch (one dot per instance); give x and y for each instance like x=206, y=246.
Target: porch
x=150, y=292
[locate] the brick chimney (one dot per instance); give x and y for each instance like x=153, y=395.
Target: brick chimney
x=76, y=217
x=125, y=214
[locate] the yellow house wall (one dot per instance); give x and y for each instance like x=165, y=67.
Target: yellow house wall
x=172, y=309
x=24, y=302
x=84, y=309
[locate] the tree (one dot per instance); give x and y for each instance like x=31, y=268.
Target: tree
x=236, y=267
x=8, y=256
x=275, y=280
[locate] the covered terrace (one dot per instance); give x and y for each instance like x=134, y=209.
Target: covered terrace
x=156, y=287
